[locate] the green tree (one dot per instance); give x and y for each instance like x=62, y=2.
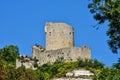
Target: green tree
x=9, y=54
x=45, y=67
x=80, y=63
x=46, y=76
x=12, y=73
x=31, y=75
x=97, y=65
x=108, y=74
x=27, y=74
x=2, y=71
x=61, y=71
x=39, y=74
x=108, y=10
x=117, y=65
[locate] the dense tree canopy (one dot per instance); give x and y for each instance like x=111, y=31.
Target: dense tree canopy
x=50, y=71
x=9, y=54
x=2, y=71
x=108, y=10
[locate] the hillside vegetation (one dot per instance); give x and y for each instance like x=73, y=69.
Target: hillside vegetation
x=8, y=55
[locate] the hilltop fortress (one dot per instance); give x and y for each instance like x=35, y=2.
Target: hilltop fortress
x=59, y=46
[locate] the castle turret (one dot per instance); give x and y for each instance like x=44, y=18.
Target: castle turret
x=58, y=35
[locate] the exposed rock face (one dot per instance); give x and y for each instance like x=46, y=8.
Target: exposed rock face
x=71, y=79
x=80, y=74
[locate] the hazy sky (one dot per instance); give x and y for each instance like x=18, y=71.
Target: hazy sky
x=22, y=23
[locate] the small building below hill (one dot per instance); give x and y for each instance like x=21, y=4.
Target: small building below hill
x=80, y=74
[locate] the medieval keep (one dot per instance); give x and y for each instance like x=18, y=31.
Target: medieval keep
x=59, y=47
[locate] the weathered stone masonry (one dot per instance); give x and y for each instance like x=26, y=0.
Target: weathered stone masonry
x=59, y=46
x=65, y=54
x=58, y=35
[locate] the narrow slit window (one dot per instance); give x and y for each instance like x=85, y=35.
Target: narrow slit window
x=49, y=33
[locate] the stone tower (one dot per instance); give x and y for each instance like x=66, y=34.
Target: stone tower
x=58, y=35
x=59, y=47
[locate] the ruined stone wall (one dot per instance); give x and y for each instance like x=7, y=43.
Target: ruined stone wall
x=58, y=35
x=65, y=54
x=59, y=46
x=50, y=56
x=27, y=64
x=36, y=50
x=86, y=52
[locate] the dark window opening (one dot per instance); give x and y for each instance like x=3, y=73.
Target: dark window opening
x=50, y=33
x=48, y=55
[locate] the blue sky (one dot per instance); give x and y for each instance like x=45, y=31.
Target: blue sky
x=22, y=23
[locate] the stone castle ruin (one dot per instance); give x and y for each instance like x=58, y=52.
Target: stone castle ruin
x=59, y=46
